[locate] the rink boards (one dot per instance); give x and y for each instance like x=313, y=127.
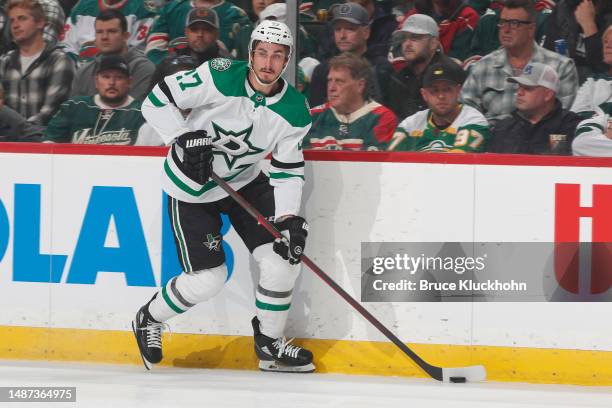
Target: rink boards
x=84, y=242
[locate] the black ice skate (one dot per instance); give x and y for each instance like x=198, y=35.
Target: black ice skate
x=279, y=355
x=148, y=333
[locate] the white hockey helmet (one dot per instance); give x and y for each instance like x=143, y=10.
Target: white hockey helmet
x=274, y=32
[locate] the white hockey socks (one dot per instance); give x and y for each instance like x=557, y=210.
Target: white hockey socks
x=274, y=291
x=186, y=290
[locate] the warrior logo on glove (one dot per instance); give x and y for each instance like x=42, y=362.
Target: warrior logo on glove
x=197, y=155
x=295, y=231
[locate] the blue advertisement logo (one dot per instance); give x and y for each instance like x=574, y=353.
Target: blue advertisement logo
x=106, y=204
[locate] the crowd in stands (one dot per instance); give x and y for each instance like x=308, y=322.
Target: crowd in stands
x=468, y=76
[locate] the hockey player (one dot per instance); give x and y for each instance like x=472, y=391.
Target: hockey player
x=447, y=126
x=241, y=112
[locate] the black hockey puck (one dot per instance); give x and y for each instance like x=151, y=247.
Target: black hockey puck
x=457, y=379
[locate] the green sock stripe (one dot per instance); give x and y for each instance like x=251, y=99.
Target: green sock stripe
x=169, y=302
x=274, y=308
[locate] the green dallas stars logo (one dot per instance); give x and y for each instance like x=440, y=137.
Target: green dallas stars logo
x=213, y=243
x=234, y=145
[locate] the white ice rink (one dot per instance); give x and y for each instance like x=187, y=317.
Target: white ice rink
x=132, y=386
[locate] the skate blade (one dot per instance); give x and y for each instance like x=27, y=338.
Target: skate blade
x=273, y=366
x=146, y=363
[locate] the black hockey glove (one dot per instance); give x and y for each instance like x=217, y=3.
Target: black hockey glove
x=197, y=155
x=295, y=230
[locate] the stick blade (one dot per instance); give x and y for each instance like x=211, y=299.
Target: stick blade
x=472, y=373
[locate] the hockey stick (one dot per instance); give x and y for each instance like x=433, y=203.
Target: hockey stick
x=457, y=374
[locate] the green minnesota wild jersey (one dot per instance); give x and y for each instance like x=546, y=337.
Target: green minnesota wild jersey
x=86, y=120
x=170, y=24
x=468, y=133
x=246, y=127
x=368, y=128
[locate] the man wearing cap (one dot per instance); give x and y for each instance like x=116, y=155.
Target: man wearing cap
x=381, y=20
x=486, y=87
x=420, y=49
x=351, y=32
x=112, y=39
x=170, y=24
x=456, y=20
x=201, y=40
x=447, y=126
x=594, y=104
x=111, y=116
x=539, y=124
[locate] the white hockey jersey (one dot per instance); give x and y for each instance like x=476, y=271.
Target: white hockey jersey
x=246, y=127
x=591, y=136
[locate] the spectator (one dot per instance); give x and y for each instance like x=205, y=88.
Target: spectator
x=447, y=126
x=54, y=24
x=257, y=6
x=201, y=39
x=420, y=49
x=381, y=24
x=486, y=34
x=486, y=88
x=351, y=32
x=36, y=77
x=350, y=120
x=594, y=102
x=111, y=116
x=580, y=23
x=112, y=38
x=539, y=125
x=79, y=37
x=597, y=92
x=456, y=22
x=278, y=12
x=13, y=126
x=170, y=24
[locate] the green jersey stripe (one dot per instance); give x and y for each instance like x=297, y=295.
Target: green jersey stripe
x=179, y=236
x=155, y=101
x=283, y=175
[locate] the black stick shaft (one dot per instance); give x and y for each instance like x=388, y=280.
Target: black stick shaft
x=433, y=371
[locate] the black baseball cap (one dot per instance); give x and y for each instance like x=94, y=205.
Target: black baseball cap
x=113, y=61
x=202, y=15
x=443, y=71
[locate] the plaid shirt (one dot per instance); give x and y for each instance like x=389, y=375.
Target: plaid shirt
x=54, y=20
x=486, y=88
x=37, y=94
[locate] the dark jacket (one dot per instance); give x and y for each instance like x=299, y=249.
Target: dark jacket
x=586, y=52
x=404, y=89
x=552, y=135
x=381, y=69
